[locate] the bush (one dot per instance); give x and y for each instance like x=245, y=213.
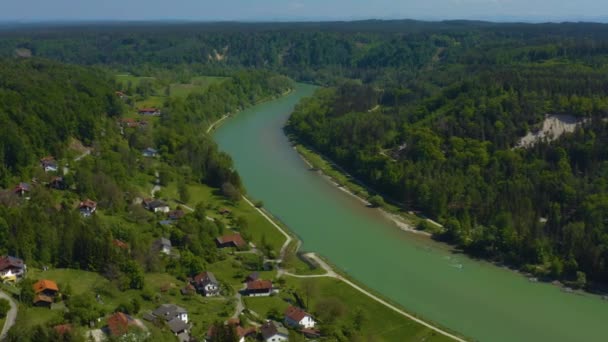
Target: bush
x=5, y=306
x=376, y=201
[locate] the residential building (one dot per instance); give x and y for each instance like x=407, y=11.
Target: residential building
x=49, y=164
x=87, y=207
x=22, y=189
x=156, y=206
x=231, y=240
x=298, y=318
x=58, y=183
x=149, y=152
x=45, y=292
x=274, y=332
x=149, y=111
x=206, y=284
x=258, y=288
x=175, y=215
x=163, y=245
x=175, y=316
x=11, y=268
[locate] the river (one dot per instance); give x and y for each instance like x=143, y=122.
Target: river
x=474, y=298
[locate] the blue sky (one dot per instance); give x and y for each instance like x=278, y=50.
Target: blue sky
x=28, y=10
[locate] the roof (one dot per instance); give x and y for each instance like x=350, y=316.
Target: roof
x=62, y=329
x=151, y=109
x=177, y=325
x=88, y=204
x=156, y=204
x=296, y=314
x=236, y=238
x=176, y=214
x=168, y=311
x=272, y=328
x=163, y=242
x=120, y=244
x=10, y=262
x=23, y=187
x=118, y=324
x=253, y=276
x=242, y=332
x=150, y=149
x=259, y=285
x=205, y=277
x=42, y=298
x=45, y=284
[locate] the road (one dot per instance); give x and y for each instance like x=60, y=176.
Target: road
x=217, y=122
x=11, y=315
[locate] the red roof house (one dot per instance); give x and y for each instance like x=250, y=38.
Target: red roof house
x=231, y=240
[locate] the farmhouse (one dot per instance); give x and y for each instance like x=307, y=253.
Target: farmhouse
x=206, y=284
x=232, y=240
x=258, y=288
x=11, y=268
x=274, y=332
x=87, y=207
x=156, y=206
x=298, y=318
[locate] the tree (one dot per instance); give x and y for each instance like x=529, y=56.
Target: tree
x=184, y=192
x=376, y=201
x=310, y=290
x=231, y=192
x=5, y=306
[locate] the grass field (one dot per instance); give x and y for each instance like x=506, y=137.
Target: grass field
x=197, y=85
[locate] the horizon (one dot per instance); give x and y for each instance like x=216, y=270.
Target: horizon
x=37, y=11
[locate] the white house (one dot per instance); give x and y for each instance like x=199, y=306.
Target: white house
x=49, y=164
x=298, y=318
x=149, y=152
x=206, y=284
x=156, y=206
x=169, y=312
x=274, y=332
x=163, y=245
x=11, y=268
x=87, y=207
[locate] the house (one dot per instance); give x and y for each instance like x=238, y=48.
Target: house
x=156, y=206
x=149, y=111
x=58, y=183
x=258, y=288
x=22, y=189
x=163, y=245
x=298, y=318
x=241, y=332
x=231, y=240
x=188, y=290
x=310, y=333
x=120, y=244
x=175, y=316
x=43, y=301
x=46, y=287
x=274, y=332
x=252, y=277
x=175, y=215
x=149, y=152
x=63, y=329
x=121, y=95
x=118, y=324
x=11, y=268
x=206, y=284
x=87, y=207
x=49, y=164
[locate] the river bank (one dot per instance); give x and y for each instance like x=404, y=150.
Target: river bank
x=356, y=189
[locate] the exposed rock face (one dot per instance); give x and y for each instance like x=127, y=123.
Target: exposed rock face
x=552, y=128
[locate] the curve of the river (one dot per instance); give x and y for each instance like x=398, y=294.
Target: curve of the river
x=478, y=300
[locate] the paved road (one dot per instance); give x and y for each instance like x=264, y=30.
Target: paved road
x=10, y=316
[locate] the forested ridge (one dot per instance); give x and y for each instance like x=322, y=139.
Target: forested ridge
x=446, y=144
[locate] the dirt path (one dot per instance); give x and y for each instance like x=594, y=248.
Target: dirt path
x=287, y=236
x=11, y=315
x=217, y=122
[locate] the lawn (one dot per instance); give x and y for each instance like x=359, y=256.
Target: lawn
x=379, y=321
x=124, y=79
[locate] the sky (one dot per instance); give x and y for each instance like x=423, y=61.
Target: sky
x=286, y=10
